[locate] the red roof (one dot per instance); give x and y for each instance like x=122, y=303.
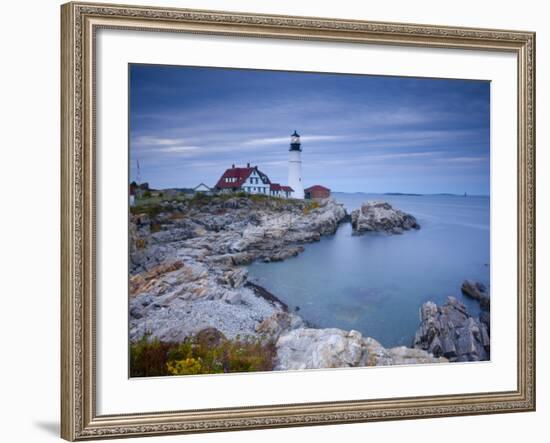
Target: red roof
x=278, y=187
x=241, y=174
x=317, y=188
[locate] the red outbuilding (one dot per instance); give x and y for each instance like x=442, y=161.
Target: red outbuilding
x=317, y=191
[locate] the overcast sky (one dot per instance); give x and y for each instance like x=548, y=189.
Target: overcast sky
x=359, y=133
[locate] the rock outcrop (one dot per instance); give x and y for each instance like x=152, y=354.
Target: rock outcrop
x=236, y=231
x=377, y=355
x=186, y=262
x=272, y=327
x=380, y=216
x=449, y=331
x=477, y=291
x=308, y=348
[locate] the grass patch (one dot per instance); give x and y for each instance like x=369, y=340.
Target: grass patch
x=152, y=206
x=141, y=243
x=208, y=352
x=151, y=209
x=199, y=199
x=310, y=207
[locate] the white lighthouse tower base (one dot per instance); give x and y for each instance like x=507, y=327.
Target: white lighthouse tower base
x=295, y=174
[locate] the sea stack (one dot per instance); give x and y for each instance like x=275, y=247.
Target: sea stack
x=380, y=216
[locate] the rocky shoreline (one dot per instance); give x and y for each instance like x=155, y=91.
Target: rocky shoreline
x=187, y=261
x=188, y=274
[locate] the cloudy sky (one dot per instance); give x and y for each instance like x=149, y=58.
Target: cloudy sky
x=359, y=133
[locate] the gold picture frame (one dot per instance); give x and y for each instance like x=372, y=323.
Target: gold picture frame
x=80, y=21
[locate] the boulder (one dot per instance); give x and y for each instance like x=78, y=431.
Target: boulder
x=235, y=277
x=379, y=216
x=277, y=323
x=210, y=337
x=146, y=280
x=232, y=297
x=449, y=331
x=402, y=355
x=377, y=355
x=477, y=291
x=307, y=348
x=282, y=254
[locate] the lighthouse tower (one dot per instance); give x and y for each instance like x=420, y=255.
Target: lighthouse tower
x=295, y=166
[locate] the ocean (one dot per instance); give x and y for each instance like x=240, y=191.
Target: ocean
x=376, y=283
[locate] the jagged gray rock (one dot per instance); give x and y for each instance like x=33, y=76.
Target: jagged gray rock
x=449, y=331
x=381, y=217
x=377, y=355
x=273, y=326
x=477, y=291
x=308, y=348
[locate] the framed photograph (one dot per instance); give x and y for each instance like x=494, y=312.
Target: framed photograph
x=277, y=221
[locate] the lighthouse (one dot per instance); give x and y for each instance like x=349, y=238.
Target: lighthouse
x=295, y=166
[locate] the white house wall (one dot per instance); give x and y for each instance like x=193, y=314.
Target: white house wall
x=255, y=185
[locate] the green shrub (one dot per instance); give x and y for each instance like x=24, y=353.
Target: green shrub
x=148, y=358
x=199, y=199
x=313, y=205
x=259, y=197
x=208, y=352
x=146, y=208
x=310, y=207
x=141, y=243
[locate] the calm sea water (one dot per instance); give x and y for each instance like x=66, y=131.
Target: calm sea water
x=376, y=283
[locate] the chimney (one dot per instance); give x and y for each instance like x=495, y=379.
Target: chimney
x=248, y=165
x=233, y=166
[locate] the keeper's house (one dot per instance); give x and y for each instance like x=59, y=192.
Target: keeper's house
x=252, y=181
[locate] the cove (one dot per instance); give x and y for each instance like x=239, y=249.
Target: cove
x=376, y=283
